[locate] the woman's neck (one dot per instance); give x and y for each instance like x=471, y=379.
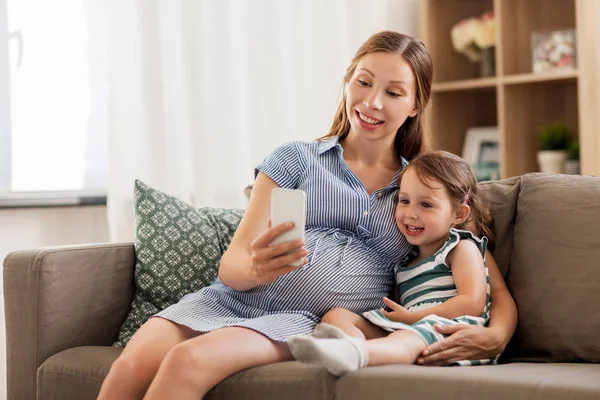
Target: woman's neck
x=380, y=153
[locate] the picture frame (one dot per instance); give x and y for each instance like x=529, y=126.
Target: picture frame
x=481, y=149
x=554, y=50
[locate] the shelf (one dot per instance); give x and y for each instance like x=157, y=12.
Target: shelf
x=464, y=84
x=531, y=105
x=520, y=19
x=540, y=77
x=455, y=112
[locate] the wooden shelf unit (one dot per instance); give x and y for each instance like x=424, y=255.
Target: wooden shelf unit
x=516, y=99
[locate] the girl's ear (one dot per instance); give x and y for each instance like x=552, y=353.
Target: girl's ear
x=461, y=214
x=413, y=112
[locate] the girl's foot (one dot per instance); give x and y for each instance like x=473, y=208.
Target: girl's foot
x=327, y=331
x=338, y=356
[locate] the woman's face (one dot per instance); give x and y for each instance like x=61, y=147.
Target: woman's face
x=380, y=96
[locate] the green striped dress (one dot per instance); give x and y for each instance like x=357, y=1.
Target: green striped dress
x=428, y=284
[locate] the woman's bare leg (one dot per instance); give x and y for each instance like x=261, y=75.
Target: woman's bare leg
x=131, y=374
x=195, y=366
x=352, y=324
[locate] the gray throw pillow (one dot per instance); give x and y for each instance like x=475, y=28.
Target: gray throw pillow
x=178, y=249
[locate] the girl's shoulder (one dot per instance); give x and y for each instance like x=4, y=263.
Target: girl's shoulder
x=463, y=241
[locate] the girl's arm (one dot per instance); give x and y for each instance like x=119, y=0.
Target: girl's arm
x=468, y=273
x=470, y=342
x=250, y=260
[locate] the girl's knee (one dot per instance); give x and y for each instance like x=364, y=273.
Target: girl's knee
x=335, y=315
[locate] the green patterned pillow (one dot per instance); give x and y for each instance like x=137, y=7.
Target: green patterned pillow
x=178, y=249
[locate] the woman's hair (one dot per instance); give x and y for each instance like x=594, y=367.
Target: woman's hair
x=456, y=176
x=410, y=137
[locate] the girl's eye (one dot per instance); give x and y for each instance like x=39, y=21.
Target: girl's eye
x=362, y=83
x=425, y=205
x=393, y=94
x=403, y=201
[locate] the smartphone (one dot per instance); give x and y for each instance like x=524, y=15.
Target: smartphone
x=289, y=205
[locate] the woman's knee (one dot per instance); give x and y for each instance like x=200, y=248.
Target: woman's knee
x=132, y=366
x=184, y=357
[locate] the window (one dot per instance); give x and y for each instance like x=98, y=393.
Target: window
x=53, y=96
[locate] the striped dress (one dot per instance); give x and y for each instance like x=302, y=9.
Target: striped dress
x=353, y=245
x=429, y=283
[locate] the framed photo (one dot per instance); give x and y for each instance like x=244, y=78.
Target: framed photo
x=482, y=151
x=553, y=50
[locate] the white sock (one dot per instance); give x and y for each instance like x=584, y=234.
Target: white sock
x=327, y=331
x=338, y=356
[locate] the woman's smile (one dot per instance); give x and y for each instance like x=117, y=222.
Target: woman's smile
x=367, y=122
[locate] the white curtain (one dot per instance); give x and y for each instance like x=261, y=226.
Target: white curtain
x=202, y=90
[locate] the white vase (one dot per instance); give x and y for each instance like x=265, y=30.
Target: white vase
x=552, y=161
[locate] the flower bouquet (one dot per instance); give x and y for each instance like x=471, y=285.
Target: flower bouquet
x=472, y=35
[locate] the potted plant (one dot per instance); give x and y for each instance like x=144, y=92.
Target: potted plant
x=572, y=162
x=555, y=139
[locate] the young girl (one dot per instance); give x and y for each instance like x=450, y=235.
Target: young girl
x=445, y=282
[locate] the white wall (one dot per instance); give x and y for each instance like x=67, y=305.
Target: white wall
x=27, y=228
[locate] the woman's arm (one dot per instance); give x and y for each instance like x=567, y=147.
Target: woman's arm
x=469, y=342
x=250, y=260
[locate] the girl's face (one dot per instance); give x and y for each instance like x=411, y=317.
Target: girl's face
x=425, y=213
x=380, y=96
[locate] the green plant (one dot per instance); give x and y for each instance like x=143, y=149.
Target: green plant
x=554, y=136
x=573, y=150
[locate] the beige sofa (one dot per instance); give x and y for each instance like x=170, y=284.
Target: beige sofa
x=64, y=307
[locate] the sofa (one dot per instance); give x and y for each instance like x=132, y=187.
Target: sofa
x=64, y=307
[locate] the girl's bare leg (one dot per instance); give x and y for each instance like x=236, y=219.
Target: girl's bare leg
x=195, y=366
x=344, y=353
x=399, y=347
x=131, y=374
x=352, y=324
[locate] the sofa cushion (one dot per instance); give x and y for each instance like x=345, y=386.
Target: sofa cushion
x=501, y=197
x=492, y=382
x=555, y=270
x=78, y=373
x=178, y=249
x=75, y=373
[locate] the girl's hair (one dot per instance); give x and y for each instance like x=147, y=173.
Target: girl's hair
x=456, y=176
x=410, y=137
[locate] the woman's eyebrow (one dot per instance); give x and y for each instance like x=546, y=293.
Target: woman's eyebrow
x=373, y=75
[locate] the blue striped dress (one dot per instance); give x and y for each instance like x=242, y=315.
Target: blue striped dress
x=429, y=283
x=353, y=245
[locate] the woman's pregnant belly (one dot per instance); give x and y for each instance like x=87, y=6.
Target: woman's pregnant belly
x=340, y=274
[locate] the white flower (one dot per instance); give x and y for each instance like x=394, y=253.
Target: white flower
x=471, y=35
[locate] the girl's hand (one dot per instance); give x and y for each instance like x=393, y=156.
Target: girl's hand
x=269, y=262
x=466, y=342
x=398, y=313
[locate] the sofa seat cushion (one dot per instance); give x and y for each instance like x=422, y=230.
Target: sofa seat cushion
x=78, y=373
x=515, y=381
x=75, y=373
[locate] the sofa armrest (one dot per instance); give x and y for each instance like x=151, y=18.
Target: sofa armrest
x=62, y=297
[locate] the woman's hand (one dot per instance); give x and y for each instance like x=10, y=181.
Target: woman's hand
x=268, y=261
x=466, y=342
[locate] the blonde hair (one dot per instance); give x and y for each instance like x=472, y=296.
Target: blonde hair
x=456, y=176
x=410, y=138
